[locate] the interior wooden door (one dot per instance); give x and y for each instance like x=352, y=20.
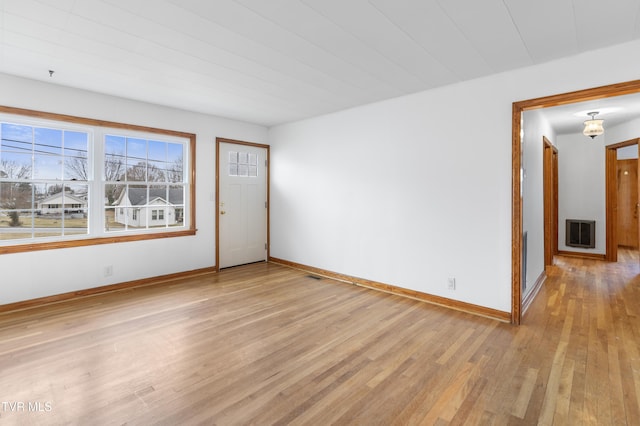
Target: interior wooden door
x=627, y=183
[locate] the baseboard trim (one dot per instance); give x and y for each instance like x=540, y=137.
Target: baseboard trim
x=530, y=297
x=595, y=256
x=32, y=303
x=400, y=291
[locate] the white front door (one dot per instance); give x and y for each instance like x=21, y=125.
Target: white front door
x=242, y=205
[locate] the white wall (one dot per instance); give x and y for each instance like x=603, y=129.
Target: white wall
x=624, y=132
x=413, y=190
x=534, y=128
x=581, y=186
x=42, y=273
x=582, y=178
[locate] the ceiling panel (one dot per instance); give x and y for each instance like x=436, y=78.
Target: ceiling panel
x=300, y=20
x=165, y=53
x=545, y=26
x=201, y=38
x=64, y=5
x=601, y=24
x=426, y=23
x=250, y=24
x=488, y=26
x=88, y=63
x=55, y=16
x=370, y=26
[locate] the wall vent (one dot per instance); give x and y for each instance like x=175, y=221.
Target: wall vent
x=581, y=233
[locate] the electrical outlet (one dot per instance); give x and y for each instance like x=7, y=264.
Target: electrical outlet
x=108, y=270
x=451, y=283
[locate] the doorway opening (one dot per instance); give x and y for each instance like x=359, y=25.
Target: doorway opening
x=621, y=199
x=517, y=201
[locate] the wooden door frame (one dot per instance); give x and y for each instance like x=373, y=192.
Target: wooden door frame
x=217, y=197
x=550, y=191
x=518, y=108
x=611, y=180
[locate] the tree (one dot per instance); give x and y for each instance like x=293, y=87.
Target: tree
x=54, y=189
x=77, y=167
x=175, y=172
x=15, y=193
x=11, y=169
x=113, y=168
x=14, y=218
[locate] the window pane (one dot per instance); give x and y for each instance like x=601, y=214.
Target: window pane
x=76, y=168
x=136, y=159
x=111, y=220
x=113, y=194
x=156, y=171
x=16, y=195
x=158, y=195
x=175, y=212
x=16, y=214
x=16, y=224
x=114, y=159
x=115, y=145
x=134, y=219
x=157, y=151
x=76, y=165
x=136, y=148
x=16, y=138
x=175, y=162
x=136, y=170
x=243, y=158
x=47, y=167
x=15, y=165
x=12, y=226
x=47, y=141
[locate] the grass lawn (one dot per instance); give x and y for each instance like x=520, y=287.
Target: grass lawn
x=46, y=222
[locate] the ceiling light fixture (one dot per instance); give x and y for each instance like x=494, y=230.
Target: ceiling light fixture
x=593, y=127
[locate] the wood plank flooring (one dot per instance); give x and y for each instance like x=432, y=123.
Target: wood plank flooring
x=263, y=344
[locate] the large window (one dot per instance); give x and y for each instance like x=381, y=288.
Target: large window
x=67, y=181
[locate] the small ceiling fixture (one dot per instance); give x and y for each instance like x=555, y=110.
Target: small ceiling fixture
x=51, y=73
x=593, y=127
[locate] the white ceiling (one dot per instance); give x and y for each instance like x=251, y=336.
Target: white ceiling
x=276, y=61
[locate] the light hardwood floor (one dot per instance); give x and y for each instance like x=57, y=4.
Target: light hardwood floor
x=264, y=344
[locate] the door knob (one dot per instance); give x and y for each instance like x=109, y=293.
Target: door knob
x=222, y=212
